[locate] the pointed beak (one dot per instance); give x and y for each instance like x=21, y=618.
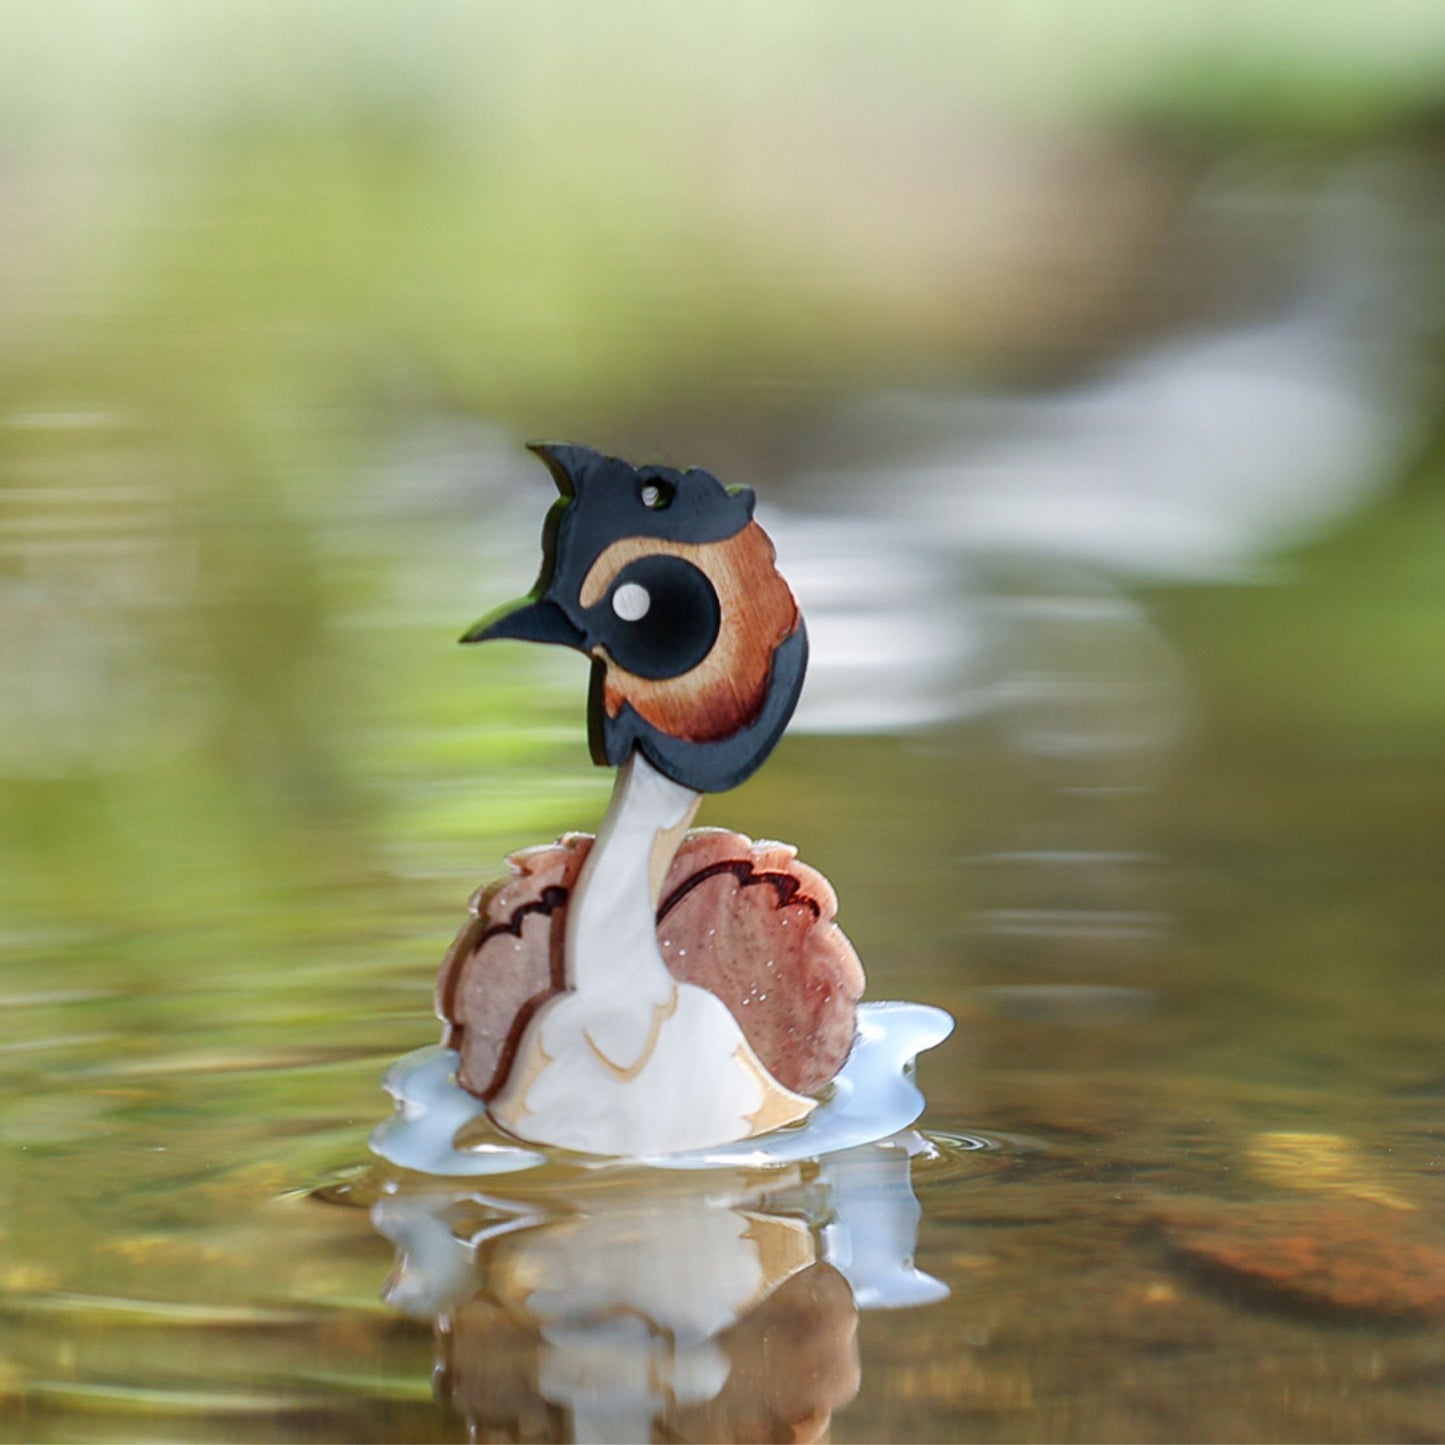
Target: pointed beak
x=530, y=620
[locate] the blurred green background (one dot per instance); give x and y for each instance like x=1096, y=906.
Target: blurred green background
x=266, y=267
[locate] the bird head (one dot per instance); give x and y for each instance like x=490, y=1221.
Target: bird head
x=665, y=580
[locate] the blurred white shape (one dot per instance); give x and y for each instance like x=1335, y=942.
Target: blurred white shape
x=891, y=632
x=1192, y=462
x=1199, y=457
x=1195, y=460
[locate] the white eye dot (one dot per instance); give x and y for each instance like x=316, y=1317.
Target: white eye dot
x=631, y=601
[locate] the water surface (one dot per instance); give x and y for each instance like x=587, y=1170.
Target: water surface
x=1183, y=1169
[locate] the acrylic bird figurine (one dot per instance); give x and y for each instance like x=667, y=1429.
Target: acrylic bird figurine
x=642, y=993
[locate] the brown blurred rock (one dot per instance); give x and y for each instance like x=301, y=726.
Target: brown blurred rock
x=1350, y=1257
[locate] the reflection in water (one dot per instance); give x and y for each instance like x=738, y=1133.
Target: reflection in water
x=714, y=1305
x=1088, y=703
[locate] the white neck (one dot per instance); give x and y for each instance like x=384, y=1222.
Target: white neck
x=610, y=953
x=626, y=1060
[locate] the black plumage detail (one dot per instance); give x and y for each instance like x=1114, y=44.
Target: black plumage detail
x=711, y=767
x=703, y=708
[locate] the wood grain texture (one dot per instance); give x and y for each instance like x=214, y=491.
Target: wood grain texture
x=726, y=690
x=745, y=920
x=507, y=960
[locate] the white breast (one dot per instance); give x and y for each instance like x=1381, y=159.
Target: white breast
x=628, y=1061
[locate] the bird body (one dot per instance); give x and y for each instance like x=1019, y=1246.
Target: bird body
x=665, y=580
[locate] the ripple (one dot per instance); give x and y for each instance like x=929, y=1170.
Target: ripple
x=62, y=1041
x=1076, y=1005
x=873, y=1098
x=119, y=1309
x=49, y=998
x=144, y=1400
x=949, y=1156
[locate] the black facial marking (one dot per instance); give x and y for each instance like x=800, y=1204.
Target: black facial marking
x=703, y=767
x=605, y=500
x=660, y=617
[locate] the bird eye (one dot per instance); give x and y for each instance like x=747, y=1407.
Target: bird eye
x=665, y=617
x=657, y=493
x=631, y=601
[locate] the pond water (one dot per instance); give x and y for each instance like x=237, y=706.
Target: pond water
x=1173, y=865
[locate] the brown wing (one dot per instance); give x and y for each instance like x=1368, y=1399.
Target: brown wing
x=744, y=920
x=507, y=961
x=752, y=924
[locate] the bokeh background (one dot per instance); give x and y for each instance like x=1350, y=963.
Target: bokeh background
x=1086, y=359
x=1151, y=290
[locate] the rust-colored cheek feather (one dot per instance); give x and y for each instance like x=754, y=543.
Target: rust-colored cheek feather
x=727, y=689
